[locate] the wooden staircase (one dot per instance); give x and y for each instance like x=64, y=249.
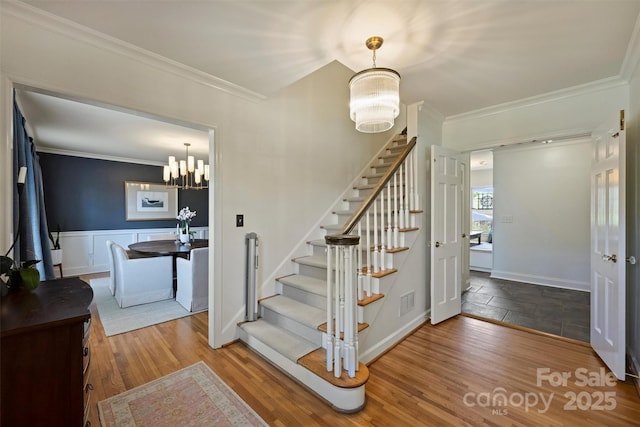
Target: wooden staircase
x=291, y=328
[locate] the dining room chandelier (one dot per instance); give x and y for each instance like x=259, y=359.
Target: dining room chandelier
x=186, y=174
x=375, y=98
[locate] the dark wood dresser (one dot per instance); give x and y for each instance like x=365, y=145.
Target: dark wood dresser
x=45, y=355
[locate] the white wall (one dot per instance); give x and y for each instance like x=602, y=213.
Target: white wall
x=429, y=133
x=570, y=112
x=280, y=162
x=633, y=219
x=542, y=214
x=481, y=178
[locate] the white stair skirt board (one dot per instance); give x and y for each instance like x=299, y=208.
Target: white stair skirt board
x=342, y=399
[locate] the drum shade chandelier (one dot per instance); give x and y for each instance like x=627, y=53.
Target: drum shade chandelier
x=186, y=174
x=375, y=98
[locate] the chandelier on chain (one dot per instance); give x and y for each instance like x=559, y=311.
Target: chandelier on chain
x=375, y=98
x=186, y=174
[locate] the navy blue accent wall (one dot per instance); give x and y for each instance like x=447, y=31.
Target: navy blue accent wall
x=88, y=194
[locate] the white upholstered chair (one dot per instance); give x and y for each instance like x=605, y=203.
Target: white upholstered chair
x=193, y=280
x=142, y=280
x=112, y=270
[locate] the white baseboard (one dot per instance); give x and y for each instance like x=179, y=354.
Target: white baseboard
x=482, y=269
x=542, y=280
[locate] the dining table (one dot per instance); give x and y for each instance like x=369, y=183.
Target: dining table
x=175, y=248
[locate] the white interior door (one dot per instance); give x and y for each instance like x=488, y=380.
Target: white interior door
x=466, y=220
x=447, y=172
x=608, y=245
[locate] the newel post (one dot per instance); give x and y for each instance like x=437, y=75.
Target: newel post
x=342, y=304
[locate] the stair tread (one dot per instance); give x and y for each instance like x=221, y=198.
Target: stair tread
x=312, y=260
x=318, y=242
x=332, y=226
x=355, y=199
x=374, y=175
x=316, y=363
x=290, y=345
x=306, y=283
x=302, y=313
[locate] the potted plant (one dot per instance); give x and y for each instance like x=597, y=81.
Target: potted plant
x=184, y=219
x=13, y=276
x=56, y=251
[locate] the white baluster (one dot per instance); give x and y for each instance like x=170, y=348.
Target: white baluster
x=410, y=180
x=367, y=286
x=330, y=284
x=405, y=192
x=401, y=198
x=376, y=252
x=389, y=214
x=349, y=310
x=337, y=360
x=395, y=210
x=359, y=255
x=383, y=249
x=416, y=197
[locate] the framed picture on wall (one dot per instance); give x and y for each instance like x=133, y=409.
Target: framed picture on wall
x=148, y=201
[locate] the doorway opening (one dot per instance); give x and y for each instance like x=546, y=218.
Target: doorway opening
x=509, y=268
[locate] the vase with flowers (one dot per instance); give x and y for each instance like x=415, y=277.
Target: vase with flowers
x=184, y=219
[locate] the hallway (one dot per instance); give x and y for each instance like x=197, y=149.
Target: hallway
x=556, y=311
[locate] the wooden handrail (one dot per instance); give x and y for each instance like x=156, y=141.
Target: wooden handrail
x=357, y=215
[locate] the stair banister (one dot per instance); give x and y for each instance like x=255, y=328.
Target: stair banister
x=364, y=207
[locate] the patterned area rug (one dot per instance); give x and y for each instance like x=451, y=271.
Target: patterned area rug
x=193, y=396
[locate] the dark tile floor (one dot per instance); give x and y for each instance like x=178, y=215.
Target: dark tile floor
x=557, y=311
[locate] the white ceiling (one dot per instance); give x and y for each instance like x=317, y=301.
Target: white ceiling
x=66, y=126
x=456, y=56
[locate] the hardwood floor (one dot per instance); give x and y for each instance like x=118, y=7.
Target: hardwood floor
x=425, y=380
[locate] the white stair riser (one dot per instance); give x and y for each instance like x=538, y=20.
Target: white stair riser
x=315, y=272
x=291, y=325
x=305, y=297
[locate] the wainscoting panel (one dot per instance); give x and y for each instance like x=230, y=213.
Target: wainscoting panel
x=85, y=252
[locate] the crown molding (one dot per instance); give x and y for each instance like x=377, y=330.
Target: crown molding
x=595, y=86
x=76, y=31
x=566, y=134
x=538, y=145
x=51, y=150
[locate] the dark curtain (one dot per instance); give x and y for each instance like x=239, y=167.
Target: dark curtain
x=29, y=216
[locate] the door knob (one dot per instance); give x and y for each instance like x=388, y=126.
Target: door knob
x=464, y=235
x=437, y=244
x=631, y=260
